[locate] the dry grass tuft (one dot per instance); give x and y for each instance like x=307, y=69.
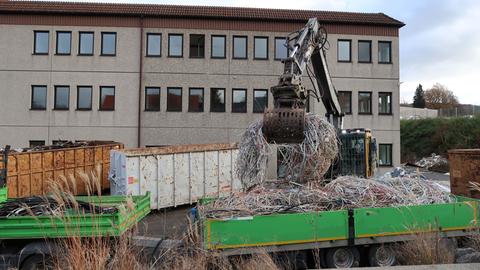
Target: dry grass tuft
x=426, y=248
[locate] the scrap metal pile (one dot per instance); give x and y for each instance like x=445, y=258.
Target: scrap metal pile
x=46, y=206
x=434, y=162
x=345, y=192
x=303, y=162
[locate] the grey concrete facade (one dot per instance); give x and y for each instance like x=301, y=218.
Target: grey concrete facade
x=20, y=69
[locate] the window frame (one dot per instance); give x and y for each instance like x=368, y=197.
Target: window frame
x=78, y=99
x=100, y=98
x=371, y=97
x=146, y=45
x=224, y=100
x=349, y=53
x=224, y=47
x=254, y=46
x=181, y=99
x=80, y=43
x=146, y=109
x=190, y=46
x=246, y=99
x=350, y=104
x=391, y=154
x=391, y=103
x=32, y=108
x=168, y=41
x=55, y=108
x=275, y=51
x=38, y=142
x=370, y=51
x=56, y=42
x=390, y=51
x=246, y=47
x=203, y=99
x=101, y=45
x=35, y=42
x=266, y=101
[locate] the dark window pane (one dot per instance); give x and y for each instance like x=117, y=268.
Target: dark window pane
x=218, y=46
x=107, y=98
x=384, y=52
x=260, y=100
x=86, y=43
x=152, y=99
x=385, y=103
x=174, y=99
x=345, y=99
x=261, y=48
x=84, y=98
x=385, y=154
x=195, y=100
x=281, y=50
x=365, y=102
x=239, y=100
x=217, y=100
x=175, y=45
x=64, y=41
x=35, y=143
x=62, y=98
x=41, y=42
x=197, y=46
x=344, y=50
x=109, y=43
x=154, y=44
x=39, y=97
x=240, y=47
x=364, y=51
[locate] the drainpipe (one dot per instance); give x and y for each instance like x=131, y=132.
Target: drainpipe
x=140, y=75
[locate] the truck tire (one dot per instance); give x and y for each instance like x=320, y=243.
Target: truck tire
x=381, y=255
x=37, y=261
x=342, y=257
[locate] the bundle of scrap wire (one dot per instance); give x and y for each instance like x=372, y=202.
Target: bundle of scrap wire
x=346, y=192
x=302, y=162
x=46, y=206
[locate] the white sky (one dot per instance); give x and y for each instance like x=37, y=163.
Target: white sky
x=440, y=43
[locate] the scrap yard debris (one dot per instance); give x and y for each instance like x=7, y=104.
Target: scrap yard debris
x=434, y=162
x=303, y=162
x=345, y=192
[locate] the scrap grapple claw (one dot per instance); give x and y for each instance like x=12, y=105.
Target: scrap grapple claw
x=284, y=125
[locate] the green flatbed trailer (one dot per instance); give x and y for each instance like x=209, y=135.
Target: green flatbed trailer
x=334, y=230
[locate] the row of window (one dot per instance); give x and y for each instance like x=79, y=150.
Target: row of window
x=61, y=100
x=365, y=102
x=344, y=51
x=85, y=43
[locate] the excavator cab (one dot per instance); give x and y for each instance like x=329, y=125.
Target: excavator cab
x=357, y=153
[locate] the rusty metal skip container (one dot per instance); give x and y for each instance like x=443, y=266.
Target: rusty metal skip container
x=464, y=170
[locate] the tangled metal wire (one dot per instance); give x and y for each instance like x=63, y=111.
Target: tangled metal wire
x=345, y=192
x=303, y=162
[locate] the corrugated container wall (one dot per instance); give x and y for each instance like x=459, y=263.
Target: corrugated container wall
x=464, y=171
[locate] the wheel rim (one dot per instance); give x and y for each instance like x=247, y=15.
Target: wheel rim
x=385, y=256
x=343, y=258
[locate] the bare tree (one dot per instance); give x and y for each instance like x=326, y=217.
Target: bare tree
x=440, y=97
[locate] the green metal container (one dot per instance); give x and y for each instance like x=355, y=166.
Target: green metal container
x=79, y=225
x=3, y=194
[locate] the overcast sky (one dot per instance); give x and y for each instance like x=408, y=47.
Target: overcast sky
x=440, y=43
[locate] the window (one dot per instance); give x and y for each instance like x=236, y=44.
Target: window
x=62, y=97
x=260, y=48
x=365, y=102
x=239, y=47
x=385, y=52
x=239, y=100
x=344, y=50
x=107, y=98
x=39, y=97
x=40, y=43
x=197, y=46
x=385, y=154
x=152, y=98
x=175, y=45
x=281, y=51
x=109, y=44
x=84, y=98
x=174, y=99
x=154, y=44
x=85, y=43
x=260, y=100
x=195, y=100
x=64, y=42
x=35, y=143
x=345, y=99
x=364, y=51
x=218, y=46
x=217, y=100
x=384, y=103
